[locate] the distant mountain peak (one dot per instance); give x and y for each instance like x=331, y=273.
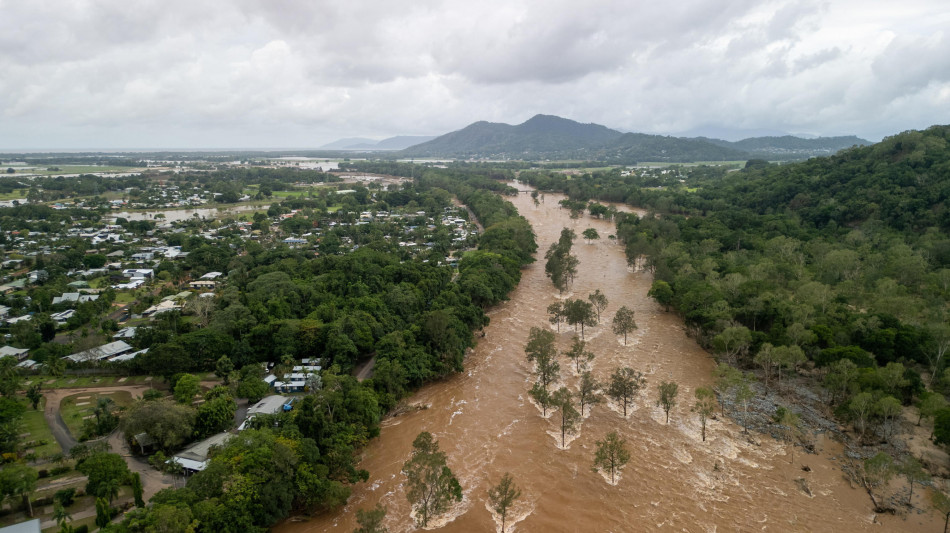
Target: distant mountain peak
x=552, y=137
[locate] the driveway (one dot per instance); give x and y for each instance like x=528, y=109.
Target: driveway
x=152, y=480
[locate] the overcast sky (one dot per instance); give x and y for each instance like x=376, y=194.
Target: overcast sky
x=286, y=73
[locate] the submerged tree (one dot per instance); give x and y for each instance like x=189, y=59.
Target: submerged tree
x=556, y=310
x=667, y=397
x=431, y=485
x=502, y=496
x=564, y=401
x=542, y=351
x=371, y=520
x=624, y=323
x=579, y=355
x=599, y=301
x=588, y=391
x=542, y=397
x=590, y=234
x=579, y=313
x=611, y=455
x=624, y=385
x=705, y=406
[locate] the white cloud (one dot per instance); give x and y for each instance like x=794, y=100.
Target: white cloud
x=109, y=73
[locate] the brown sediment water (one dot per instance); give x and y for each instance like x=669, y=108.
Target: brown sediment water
x=485, y=422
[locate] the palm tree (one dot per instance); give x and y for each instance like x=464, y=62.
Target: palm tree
x=109, y=489
x=60, y=514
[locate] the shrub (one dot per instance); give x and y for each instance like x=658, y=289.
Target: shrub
x=57, y=470
x=65, y=497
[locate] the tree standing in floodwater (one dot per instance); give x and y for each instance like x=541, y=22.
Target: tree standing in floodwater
x=611, y=455
x=430, y=484
x=667, y=400
x=502, y=496
x=705, y=406
x=624, y=323
x=624, y=385
x=564, y=401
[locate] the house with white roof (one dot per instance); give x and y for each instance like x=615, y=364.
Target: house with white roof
x=102, y=352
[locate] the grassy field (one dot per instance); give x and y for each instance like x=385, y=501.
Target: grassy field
x=89, y=522
x=124, y=297
x=77, y=408
x=75, y=382
x=35, y=424
x=73, y=169
x=15, y=195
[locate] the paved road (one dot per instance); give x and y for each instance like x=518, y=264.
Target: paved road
x=152, y=480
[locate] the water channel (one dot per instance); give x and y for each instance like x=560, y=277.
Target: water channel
x=486, y=424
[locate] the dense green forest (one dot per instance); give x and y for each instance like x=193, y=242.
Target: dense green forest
x=845, y=258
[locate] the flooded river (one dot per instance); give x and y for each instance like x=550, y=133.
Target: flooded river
x=673, y=482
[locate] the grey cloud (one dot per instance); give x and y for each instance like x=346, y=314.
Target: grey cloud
x=292, y=73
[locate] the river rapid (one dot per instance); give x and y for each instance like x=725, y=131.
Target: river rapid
x=485, y=422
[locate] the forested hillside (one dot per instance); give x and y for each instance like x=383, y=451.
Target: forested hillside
x=790, y=145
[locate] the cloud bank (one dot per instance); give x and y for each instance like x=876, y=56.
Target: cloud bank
x=288, y=73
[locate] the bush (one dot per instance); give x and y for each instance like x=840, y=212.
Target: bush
x=65, y=497
x=57, y=470
x=42, y=473
x=157, y=460
x=152, y=394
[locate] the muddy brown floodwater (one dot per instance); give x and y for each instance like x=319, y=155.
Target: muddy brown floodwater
x=484, y=421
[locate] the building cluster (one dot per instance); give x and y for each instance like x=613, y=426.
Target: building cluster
x=132, y=259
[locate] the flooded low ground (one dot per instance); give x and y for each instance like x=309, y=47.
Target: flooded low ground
x=673, y=482
x=178, y=215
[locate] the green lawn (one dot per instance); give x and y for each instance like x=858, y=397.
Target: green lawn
x=77, y=408
x=82, y=503
x=122, y=297
x=75, y=382
x=34, y=423
x=15, y=195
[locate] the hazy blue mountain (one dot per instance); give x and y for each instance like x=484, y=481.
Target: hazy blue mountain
x=399, y=142
x=344, y=144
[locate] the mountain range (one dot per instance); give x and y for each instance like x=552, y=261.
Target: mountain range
x=556, y=138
